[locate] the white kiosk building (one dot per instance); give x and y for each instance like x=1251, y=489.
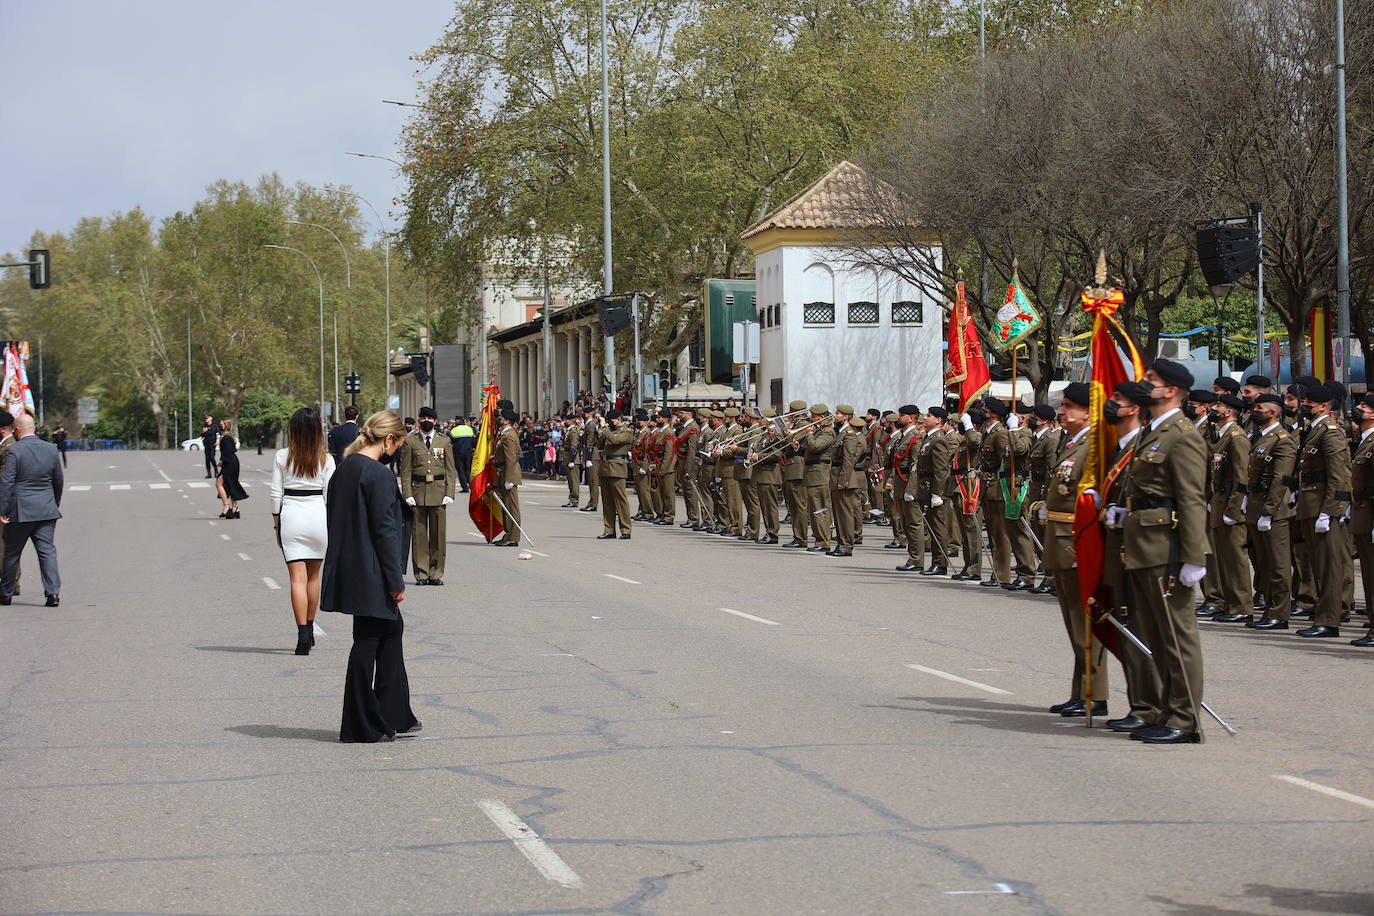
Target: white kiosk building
x=831, y=330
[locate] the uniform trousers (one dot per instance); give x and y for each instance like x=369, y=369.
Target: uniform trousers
x=574, y=469
x=430, y=528
x=970, y=541
x=846, y=519
x=376, y=688
x=768, y=507
x=1232, y=567
x=1305, y=580
x=749, y=494
x=732, y=505
x=690, y=501
x=615, y=502
x=1364, y=549
x=953, y=535
x=1212, y=591
x=936, y=518
x=592, y=477
x=720, y=510
x=1137, y=668
x=1071, y=608
x=511, y=498
x=1330, y=566
x=1169, y=627
x=794, y=494
x=1273, y=569
x=914, y=522
x=817, y=510
x=643, y=495
x=18, y=534
x=896, y=512
x=665, y=503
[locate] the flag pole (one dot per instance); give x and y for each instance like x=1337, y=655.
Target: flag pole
x=1099, y=291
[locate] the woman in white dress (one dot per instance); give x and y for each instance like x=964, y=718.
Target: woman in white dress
x=300, y=478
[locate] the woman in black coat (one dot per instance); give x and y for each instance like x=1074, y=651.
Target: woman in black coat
x=231, y=492
x=364, y=575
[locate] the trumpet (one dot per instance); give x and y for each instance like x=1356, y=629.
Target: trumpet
x=785, y=436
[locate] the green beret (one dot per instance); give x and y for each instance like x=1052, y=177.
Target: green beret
x=717, y=414
x=819, y=408
x=844, y=409
x=889, y=416
x=857, y=422
x=769, y=413
x=731, y=412
x=704, y=412
x=797, y=405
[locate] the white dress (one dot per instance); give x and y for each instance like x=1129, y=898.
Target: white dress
x=300, y=503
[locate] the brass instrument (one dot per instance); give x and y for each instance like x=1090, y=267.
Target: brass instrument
x=787, y=436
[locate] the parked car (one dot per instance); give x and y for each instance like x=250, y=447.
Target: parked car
x=190, y=445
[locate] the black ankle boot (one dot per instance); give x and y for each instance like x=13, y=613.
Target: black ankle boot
x=303, y=638
x=311, y=626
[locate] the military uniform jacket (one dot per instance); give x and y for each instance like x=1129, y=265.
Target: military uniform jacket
x=769, y=470
x=506, y=458
x=1044, y=447
x=935, y=466
x=989, y=463
x=725, y=461
x=1362, y=486
x=874, y=446
x=1269, y=475
x=1228, y=480
x=849, y=464
x=572, y=444
x=1324, y=471
x=816, y=449
x=1061, y=499
x=639, y=454
x=684, y=446
x=902, y=449
x=590, y=444
x=428, y=473
x=614, y=443
x=1164, y=497
x=958, y=460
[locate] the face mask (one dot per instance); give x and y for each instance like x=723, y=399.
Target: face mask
x=1249, y=402
x=1190, y=411
x=1258, y=418
x=1305, y=412
x=1032, y=422
x=1289, y=412
x=1111, y=412
x=426, y=425
x=1214, y=416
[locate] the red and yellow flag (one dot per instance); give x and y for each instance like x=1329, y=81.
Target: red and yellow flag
x=482, y=504
x=968, y=370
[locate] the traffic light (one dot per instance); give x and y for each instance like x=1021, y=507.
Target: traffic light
x=353, y=383
x=665, y=376
x=420, y=366
x=40, y=263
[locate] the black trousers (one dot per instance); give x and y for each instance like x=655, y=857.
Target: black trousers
x=464, y=463
x=376, y=689
x=210, y=469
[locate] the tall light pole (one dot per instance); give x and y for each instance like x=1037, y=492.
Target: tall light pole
x=1342, y=211
x=348, y=304
x=319, y=277
x=607, y=278
x=188, y=374
x=386, y=254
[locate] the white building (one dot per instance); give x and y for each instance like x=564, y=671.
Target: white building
x=831, y=330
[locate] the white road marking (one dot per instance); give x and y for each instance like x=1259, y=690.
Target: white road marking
x=119, y=486
x=198, y=484
x=159, y=486
x=245, y=558
x=270, y=582
x=1001, y=889
x=319, y=630
x=960, y=680
x=529, y=843
x=621, y=579
x=213, y=524
x=78, y=488
x=224, y=537
x=164, y=475
x=1327, y=790
x=547, y=486
x=771, y=623
x=477, y=535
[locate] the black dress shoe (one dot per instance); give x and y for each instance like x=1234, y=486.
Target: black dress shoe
x=51, y=602
x=911, y=567
x=935, y=571
x=1038, y=590
x=1067, y=704
x=6, y=600
x=1364, y=642
x=1081, y=710
x=1302, y=612
x=587, y=509
x=624, y=537
x=1128, y=724
x=1160, y=734
x=1017, y=585
x=963, y=577
x=840, y=553
x=687, y=525
x=421, y=581
x=989, y=583
x=436, y=581
x=1268, y=623
x=743, y=537
x=605, y=537
x=818, y=549
x=1207, y=610
x=768, y=540
x=1319, y=632
x=894, y=545
x=501, y=543
x=417, y=727
x=1233, y=618
x=794, y=544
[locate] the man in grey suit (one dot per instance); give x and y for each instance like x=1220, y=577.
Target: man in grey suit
x=30, y=492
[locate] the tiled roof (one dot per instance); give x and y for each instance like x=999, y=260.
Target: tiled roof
x=841, y=199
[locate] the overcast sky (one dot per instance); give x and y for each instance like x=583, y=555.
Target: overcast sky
x=113, y=104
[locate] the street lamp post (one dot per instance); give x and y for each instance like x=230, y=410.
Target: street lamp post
x=1342, y=208
x=607, y=280
x=320, y=278
x=348, y=295
x=386, y=254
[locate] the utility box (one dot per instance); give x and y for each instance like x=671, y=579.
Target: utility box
x=451, y=382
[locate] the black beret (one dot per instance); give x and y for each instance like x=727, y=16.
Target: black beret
x=938, y=412
x=510, y=415
x=1307, y=381
x=1337, y=391
x=1173, y=373
x=1231, y=401
x=997, y=406
x=874, y=412
x=410, y=420
x=641, y=413
x=615, y=414
x=1202, y=396
x=1226, y=384
x=6, y=418
x=1269, y=399
x=428, y=412
x=1022, y=407
x=1367, y=400
x=1320, y=394
x=909, y=410
x=1137, y=392
x=1259, y=381
x=1044, y=411
x=1079, y=393
x=665, y=413
x=504, y=404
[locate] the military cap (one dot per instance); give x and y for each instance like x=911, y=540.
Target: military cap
x=641, y=413
x=909, y=410
x=1368, y=399
x=755, y=412
x=938, y=412
x=428, y=412
x=845, y=409
x=6, y=418
x=1307, y=381
x=1200, y=396
x=1044, y=411
x=704, y=412
x=614, y=414
x=1232, y=401
x=1321, y=394
x=1138, y=392
x=731, y=412
x=1022, y=407
x=769, y=413
x=819, y=408
x=1259, y=381
x=858, y=423
x=890, y=415
x=1079, y=393
x=1337, y=392
x=505, y=404
x=1174, y=373
x=1227, y=384
x=1269, y=399
x=997, y=406
x=718, y=414
x=506, y=414
x=665, y=414
x=409, y=421
x=796, y=405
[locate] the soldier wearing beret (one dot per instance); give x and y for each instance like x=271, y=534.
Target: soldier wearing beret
x=902, y=484
x=848, y=477
x=685, y=465
x=1198, y=410
x=571, y=448
x=1044, y=449
x=615, y=440
x=968, y=445
x=767, y=478
x=1227, y=484
x=732, y=501
x=639, y=465
x=428, y=475
x=936, y=488
x=888, y=499
x=664, y=468
x=1323, y=500
x=1269, y=510
x=506, y=461
x=591, y=457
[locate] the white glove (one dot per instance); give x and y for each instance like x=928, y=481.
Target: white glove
x=1323, y=524
x=447, y=500
x=909, y=497
x=1346, y=516
x=1097, y=497
x=1191, y=575
x=1292, y=500
x=1013, y=421
x=589, y=464
x=1043, y=513
x=642, y=472
x=1115, y=515
x=1265, y=523
x=1244, y=502
x=936, y=501
x=717, y=480
x=1226, y=519
x=966, y=420
x=1209, y=508
x=410, y=500
x=509, y=486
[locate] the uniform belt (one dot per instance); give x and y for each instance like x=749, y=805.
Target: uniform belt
x=1137, y=503
x=1341, y=496
x=1067, y=517
x=302, y=492
x=421, y=478
x=1315, y=477
x=809, y=463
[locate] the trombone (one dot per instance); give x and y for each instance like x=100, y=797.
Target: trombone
x=785, y=436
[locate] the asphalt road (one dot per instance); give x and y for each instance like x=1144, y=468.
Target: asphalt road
x=672, y=724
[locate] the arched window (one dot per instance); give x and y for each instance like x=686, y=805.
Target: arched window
x=818, y=295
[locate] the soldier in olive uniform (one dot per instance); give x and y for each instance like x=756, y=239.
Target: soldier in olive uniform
x=970, y=485
x=794, y=483
x=903, y=485
x=995, y=453
x=1269, y=510
x=639, y=466
x=732, y=502
x=1060, y=500
x=428, y=474
x=1227, y=484
x=591, y=458
x=685, y=465
x=1045, y=442
x=817, y=446
x=888, y=495
x=1362, y=513
x=572, y=461
x=506, y=461
x=767, y=477
x=750, y=417
x=615, y=439
x=935, y=486
x=710, y=458
x=663, y=475
x=848, y=477
x=1198, y=411
x=1165, y=547
x=1323, y=499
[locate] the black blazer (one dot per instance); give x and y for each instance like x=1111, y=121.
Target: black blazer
x=365, y=559
x=340, y=438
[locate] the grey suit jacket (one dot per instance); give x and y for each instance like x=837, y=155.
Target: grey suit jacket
x=31, y=482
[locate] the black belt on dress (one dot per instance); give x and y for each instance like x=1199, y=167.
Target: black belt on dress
x=302, y=492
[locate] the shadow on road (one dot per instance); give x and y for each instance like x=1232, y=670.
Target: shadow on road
x=281, y=731
x=254, y=649
x=1286, y=898
x=1010, y=717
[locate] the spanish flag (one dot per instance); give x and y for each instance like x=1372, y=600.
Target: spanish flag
x=482, y=503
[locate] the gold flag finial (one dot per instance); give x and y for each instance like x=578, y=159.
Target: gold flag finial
x=1101, y=276
x=1015, y=267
